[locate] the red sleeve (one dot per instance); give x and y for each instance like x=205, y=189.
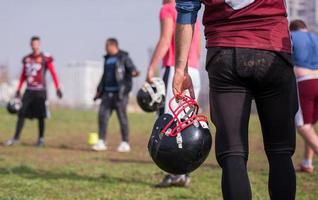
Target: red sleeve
x=165, y=13
x=51, y=68
x=22, y=77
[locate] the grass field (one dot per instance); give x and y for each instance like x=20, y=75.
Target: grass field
x=67, y=169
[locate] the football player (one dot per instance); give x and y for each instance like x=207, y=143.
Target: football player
x=165, y=51
x=35, y=66
x=249, y=57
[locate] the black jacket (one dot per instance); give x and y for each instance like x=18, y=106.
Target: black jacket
x=124, y=69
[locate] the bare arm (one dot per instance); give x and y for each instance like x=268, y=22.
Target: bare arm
x=166, y=35
x=184, y=34
x=182, y=81
x=187, y=16
x=199, y=45
x=51, y=68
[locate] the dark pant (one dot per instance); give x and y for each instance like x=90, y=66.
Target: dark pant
x=33, y=106
x=237, y=76
x=20, y=125
x=110, y=102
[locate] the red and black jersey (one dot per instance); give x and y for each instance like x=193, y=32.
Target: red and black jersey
x=260, y=24
x=34, y=69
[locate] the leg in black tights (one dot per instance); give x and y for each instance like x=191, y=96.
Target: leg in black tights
x=235, y=182
x=282, y=178
x=277, y=106
x=232, y=142
x=41, y=127
x=19, y=127
x=236, y=76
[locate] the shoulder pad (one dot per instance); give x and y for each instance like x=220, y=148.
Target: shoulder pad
x=48, y=57
x=26, y=58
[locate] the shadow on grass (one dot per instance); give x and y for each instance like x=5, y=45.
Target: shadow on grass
x=59, y=147
x=28, y=172
x=133, y=161
x=67, y=147
x=130, y=161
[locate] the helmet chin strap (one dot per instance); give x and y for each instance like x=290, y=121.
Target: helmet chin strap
x=179, y=140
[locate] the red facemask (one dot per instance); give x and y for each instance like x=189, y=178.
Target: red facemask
x=184, y=115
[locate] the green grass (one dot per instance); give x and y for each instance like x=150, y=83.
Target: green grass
x=67, y=169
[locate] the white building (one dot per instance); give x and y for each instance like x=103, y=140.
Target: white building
x=306, y=10
x=78, y=81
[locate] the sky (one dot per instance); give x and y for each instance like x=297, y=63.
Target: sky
x=76, y=30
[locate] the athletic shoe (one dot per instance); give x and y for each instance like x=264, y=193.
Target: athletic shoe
x=11, y=142
x=40, y=143
x=123, y=147
x=100, y=146
x=305, y=169
x=174, y=180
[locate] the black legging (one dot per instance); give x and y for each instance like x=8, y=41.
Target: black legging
x=237, y=76
x=20, y=125
x=41, y=127
x=281, y=184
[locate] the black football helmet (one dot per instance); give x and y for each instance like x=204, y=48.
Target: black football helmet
x=152, y=96
x=180, y=142
x=14, y=105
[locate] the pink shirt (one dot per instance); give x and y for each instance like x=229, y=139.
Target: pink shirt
x=168, y=11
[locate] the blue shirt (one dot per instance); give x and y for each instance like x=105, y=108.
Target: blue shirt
x=111, y=84
x=305, y=46
x=187, y=11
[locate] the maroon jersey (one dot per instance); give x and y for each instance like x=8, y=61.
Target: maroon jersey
x=260, y=24
x=34, y=69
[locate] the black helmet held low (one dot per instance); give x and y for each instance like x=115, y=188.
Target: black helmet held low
x=180, y=142
x=151, y=96
x=14, y=105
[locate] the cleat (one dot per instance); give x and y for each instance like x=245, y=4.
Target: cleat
x=99, y=146
x=40, y=143
x=123, y=147
x=11, y=142
x=174, y=181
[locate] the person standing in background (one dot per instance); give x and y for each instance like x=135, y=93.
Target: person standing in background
x=165, y=52
x=305, y=55
x=33, y=73
x=113, y=89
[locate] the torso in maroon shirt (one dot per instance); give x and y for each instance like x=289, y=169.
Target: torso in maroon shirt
x=34, y=70
x=259, y=24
